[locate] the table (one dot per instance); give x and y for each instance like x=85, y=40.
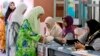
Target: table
x=54, y=49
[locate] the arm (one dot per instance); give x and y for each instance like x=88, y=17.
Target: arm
x=96, y=44
x=58, y=41
x=89, y=48
x=26, y=30
x=69, y=36
x=70, y=39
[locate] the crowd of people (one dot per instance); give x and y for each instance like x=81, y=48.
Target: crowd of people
x=20, y=35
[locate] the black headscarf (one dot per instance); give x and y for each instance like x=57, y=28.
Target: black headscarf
x=93, y=26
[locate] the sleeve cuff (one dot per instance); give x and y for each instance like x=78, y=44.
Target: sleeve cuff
x=56, y=40
x=70, y=42
x=89, y=48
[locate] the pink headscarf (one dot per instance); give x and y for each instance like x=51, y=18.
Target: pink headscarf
x=69, y=28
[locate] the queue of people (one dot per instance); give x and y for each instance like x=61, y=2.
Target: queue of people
x=20, y=35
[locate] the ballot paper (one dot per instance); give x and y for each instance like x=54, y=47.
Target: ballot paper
x=60, y=48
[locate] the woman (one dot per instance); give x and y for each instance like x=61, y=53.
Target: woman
x=18, y=14
x=68, y=32
x=81, y=34
x=52, y=29
x=2, y=33
x=10, y=9
x=93, y=39
x=29, y=33
x=13, y=27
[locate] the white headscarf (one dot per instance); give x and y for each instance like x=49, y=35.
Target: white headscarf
x=17, y=15
x=33, y=18
x=50, y=21
x=53, y=29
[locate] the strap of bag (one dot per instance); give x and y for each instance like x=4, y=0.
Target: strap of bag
x=92, y=37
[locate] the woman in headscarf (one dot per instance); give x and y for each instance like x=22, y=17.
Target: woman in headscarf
x=2, y=33
x=14, y=24
x=29, y=34
x=68, y=32
x=52, y=29
x=17, y=15
x=93, y=38
x=10, y=9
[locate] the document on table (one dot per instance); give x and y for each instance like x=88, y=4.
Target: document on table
x=83, y=53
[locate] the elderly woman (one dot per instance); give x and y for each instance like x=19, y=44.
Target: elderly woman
x=16, y=19
x=29, y=34
x=52, y=29
x=92, y=41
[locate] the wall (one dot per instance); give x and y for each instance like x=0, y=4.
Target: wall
x=30, y=4
x=47, y=5
x=96, y=10
x=60, y=10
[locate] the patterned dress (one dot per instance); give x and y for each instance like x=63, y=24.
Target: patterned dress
x=2, y=35
x=27, y=41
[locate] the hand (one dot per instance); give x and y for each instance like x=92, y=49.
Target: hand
x=79, y=46
x=63, y=40
x=43, y=36
x=42, y=39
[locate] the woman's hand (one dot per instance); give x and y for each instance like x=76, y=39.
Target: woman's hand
x=63, y=40
x=42, y=39
x=79, y=46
